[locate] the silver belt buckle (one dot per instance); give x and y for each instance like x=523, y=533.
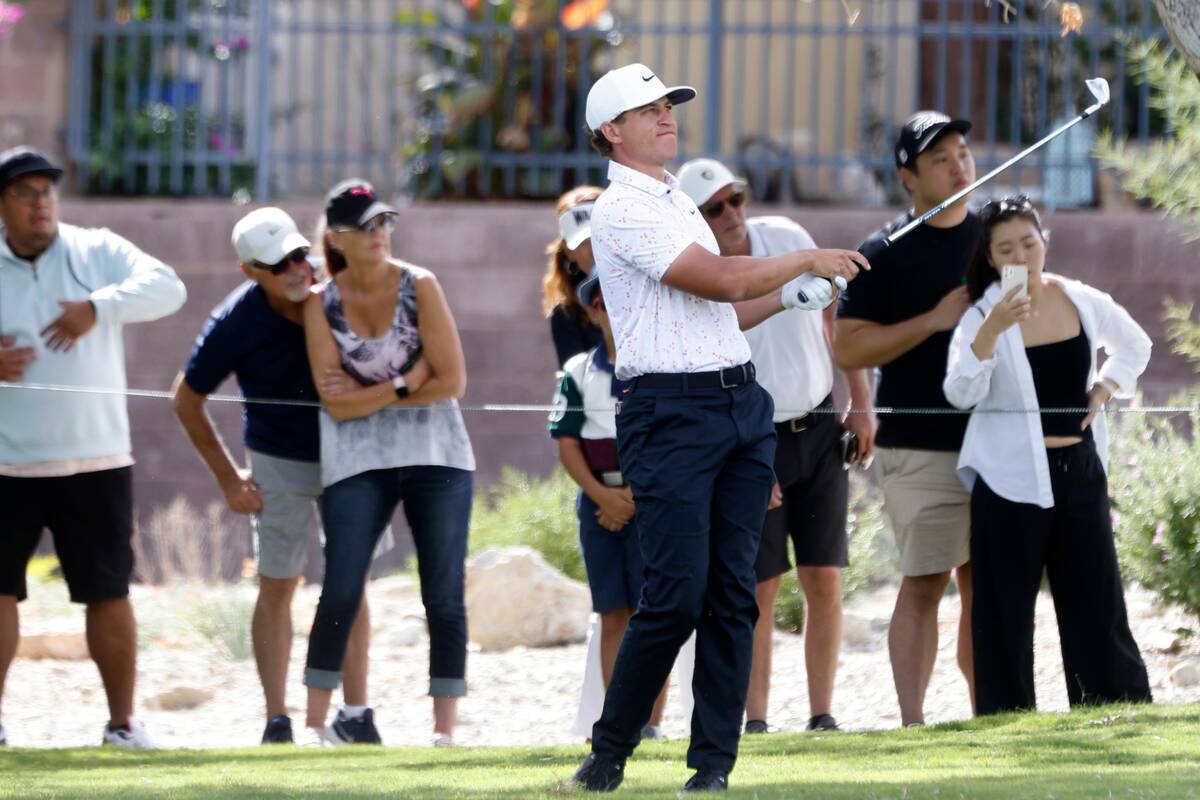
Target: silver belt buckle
x=800, y=423
x=612, y=478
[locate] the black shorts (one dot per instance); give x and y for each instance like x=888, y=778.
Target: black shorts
x=808, y=466
x=90, y=516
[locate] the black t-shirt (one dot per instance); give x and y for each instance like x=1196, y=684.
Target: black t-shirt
x=907, y=279
x=572, y=333
x=266, y=352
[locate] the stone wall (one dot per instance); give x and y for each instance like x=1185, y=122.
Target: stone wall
x=490, y=259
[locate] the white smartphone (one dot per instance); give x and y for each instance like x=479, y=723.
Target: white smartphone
x=1014, y=275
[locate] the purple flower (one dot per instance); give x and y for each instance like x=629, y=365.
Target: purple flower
x=241, y=42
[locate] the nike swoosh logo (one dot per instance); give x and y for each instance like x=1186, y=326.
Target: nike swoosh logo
x=647, y=77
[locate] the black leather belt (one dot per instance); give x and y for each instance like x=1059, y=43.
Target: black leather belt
x=684, y=381
x=805, y=420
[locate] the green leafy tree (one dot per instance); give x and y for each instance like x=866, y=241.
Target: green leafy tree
x=1155, y=461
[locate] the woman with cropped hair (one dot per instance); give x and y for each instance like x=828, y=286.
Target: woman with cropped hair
x=1023, y=358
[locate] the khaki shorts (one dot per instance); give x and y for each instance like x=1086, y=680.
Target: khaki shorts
x=929, y=508
x=291, y=493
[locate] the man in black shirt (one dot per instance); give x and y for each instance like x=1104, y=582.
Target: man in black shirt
x=899, y=318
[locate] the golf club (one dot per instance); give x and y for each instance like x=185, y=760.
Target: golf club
x=1099, y=90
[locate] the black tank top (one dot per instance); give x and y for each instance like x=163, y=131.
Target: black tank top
x=1060, y=374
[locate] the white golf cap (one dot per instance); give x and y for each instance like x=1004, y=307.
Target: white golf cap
x=631, y=86
x=266, y=235
x=575, y=225
x=701, y=178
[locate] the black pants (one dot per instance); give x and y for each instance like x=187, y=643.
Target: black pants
x=699, y=463
x=1011, y=543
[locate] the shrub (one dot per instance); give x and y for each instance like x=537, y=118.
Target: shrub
x=1154, y=482
x=872, y=555
x=224, y=620
x=181, y=544
x=528, y=510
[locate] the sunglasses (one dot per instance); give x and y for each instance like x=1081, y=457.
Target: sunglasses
x=718, y=208
x=278, y=268
x=385, y=221
x=1006, y=205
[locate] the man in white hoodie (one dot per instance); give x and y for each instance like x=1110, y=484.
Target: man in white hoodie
x=65, y=456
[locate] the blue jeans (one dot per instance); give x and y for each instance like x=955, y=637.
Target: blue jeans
x=437, y=505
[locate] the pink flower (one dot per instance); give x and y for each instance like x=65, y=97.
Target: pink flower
x=10, y=15
x=1158, y=534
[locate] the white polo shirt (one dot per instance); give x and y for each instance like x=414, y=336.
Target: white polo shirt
x=789, y=349
x=639, y=227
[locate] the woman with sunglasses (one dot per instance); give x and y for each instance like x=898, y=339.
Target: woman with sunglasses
x=570, y=262
x=1039, y=494
x=398, y=439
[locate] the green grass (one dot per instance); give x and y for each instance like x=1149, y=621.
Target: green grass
x=1117, y=752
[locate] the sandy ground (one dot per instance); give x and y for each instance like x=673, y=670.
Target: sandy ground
x=523, y=696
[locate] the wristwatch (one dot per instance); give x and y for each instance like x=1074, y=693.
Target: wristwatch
x=400, y=385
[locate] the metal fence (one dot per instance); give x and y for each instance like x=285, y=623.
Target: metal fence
x=484, y=98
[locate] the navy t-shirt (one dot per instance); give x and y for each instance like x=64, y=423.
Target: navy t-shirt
x=572, y=333
x=907, y=279
x=266, y=352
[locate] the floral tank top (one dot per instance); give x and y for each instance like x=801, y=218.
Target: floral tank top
x=432, y=435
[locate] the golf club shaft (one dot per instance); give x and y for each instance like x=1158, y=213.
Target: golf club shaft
x=954, y=198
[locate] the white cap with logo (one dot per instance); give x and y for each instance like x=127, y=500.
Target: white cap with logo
x=701, y=178
x=266, y=235
x=575, y=225
x=629, y=87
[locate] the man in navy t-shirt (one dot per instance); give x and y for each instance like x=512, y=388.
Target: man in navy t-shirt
x=257, y=334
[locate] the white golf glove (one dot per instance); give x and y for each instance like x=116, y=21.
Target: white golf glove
x=808, y=292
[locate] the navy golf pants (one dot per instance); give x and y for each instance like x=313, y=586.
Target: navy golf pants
x=700, y=464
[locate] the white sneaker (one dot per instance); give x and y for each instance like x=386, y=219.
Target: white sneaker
x=133, y=738
x=442, y=740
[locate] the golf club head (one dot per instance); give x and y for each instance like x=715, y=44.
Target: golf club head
x=1099, y=89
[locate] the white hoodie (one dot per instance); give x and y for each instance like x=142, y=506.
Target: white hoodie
x=125, y=285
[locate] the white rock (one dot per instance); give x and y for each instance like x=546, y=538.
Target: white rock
x=1186, y=674
x=514, y=597
x=181, y=698
x=63, y=646
x=858, y=633
x=406, y=633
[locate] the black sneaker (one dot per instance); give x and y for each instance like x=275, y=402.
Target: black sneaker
x=822, y=722
x=759, y=726
x=278, y=730
x=353, y=730
x=598, y=774
x=707, y=780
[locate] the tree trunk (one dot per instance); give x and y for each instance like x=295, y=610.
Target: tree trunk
x=1182, y=20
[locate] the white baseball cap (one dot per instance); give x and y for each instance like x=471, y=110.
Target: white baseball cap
x=701, y=178
x=575, y=225
x=631, y=86
x=266, y=235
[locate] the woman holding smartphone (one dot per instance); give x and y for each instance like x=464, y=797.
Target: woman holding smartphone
x=1039, y=493
x=398, y=438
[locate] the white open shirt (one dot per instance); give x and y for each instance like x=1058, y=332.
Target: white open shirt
x=639, y=227
x=1007, y=450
